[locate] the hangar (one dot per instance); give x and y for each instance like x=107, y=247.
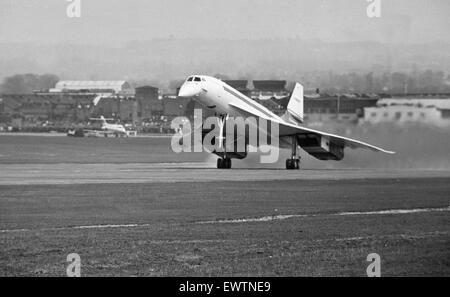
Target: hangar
x=434, y=111
x=269, y=89
x=119, y=87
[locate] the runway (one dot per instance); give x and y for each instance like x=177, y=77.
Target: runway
x=67, y=173
x=177, y=219
x=131, y=207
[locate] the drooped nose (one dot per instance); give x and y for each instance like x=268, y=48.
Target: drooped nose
x=189, y=90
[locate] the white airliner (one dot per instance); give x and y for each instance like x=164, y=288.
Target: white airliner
x=110, y=129
x=226, y=101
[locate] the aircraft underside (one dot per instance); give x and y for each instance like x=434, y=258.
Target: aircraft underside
x=318, y=146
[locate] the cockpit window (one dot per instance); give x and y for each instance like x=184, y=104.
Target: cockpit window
x=197, y=79
x=190, y=78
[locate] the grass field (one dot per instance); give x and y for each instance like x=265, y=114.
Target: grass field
x=147, y=220
x=179, y=231
x=51, y=150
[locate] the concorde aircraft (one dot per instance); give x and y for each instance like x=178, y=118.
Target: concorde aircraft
x=226, y=102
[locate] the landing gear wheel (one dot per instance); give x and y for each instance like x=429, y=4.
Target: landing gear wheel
x=224, y=163
x=294, y=161
x=289, y=164
x=227, y=162
x=292, y=164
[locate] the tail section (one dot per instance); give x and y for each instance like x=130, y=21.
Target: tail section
x=101, y=119
x=294, y=111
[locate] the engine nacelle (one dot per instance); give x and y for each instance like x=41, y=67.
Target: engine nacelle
x=320, y=147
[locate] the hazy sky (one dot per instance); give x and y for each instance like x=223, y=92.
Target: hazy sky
x=118, y=21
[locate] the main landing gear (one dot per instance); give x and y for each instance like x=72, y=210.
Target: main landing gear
x=294, y=161
x=223, y=162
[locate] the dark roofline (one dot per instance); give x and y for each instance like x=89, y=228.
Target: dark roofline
x=146, y=87
x=270, y=85
x=237, y=84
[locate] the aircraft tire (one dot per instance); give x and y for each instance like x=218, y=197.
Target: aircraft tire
x=297, y=164
x=224, y=163
x=292, y=164
x=227, y=162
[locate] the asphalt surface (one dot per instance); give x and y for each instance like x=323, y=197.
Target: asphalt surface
x=23, y=174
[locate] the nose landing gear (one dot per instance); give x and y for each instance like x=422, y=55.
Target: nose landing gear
x=292, y=164
x=294, y=161
x=224, y=163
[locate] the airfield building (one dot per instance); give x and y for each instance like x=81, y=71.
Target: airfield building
x=431, y=111
x=174, y=106
x=74, y=102
x=45, y=106
x=148, y=101
x=342, y=108
x=110, y=98
x=269, y=89
x=102, y=87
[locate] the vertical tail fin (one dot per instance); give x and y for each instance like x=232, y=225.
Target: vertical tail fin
x=294, y=111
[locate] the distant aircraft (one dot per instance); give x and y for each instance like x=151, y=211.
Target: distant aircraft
x=226, y=101
x=109, y=129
